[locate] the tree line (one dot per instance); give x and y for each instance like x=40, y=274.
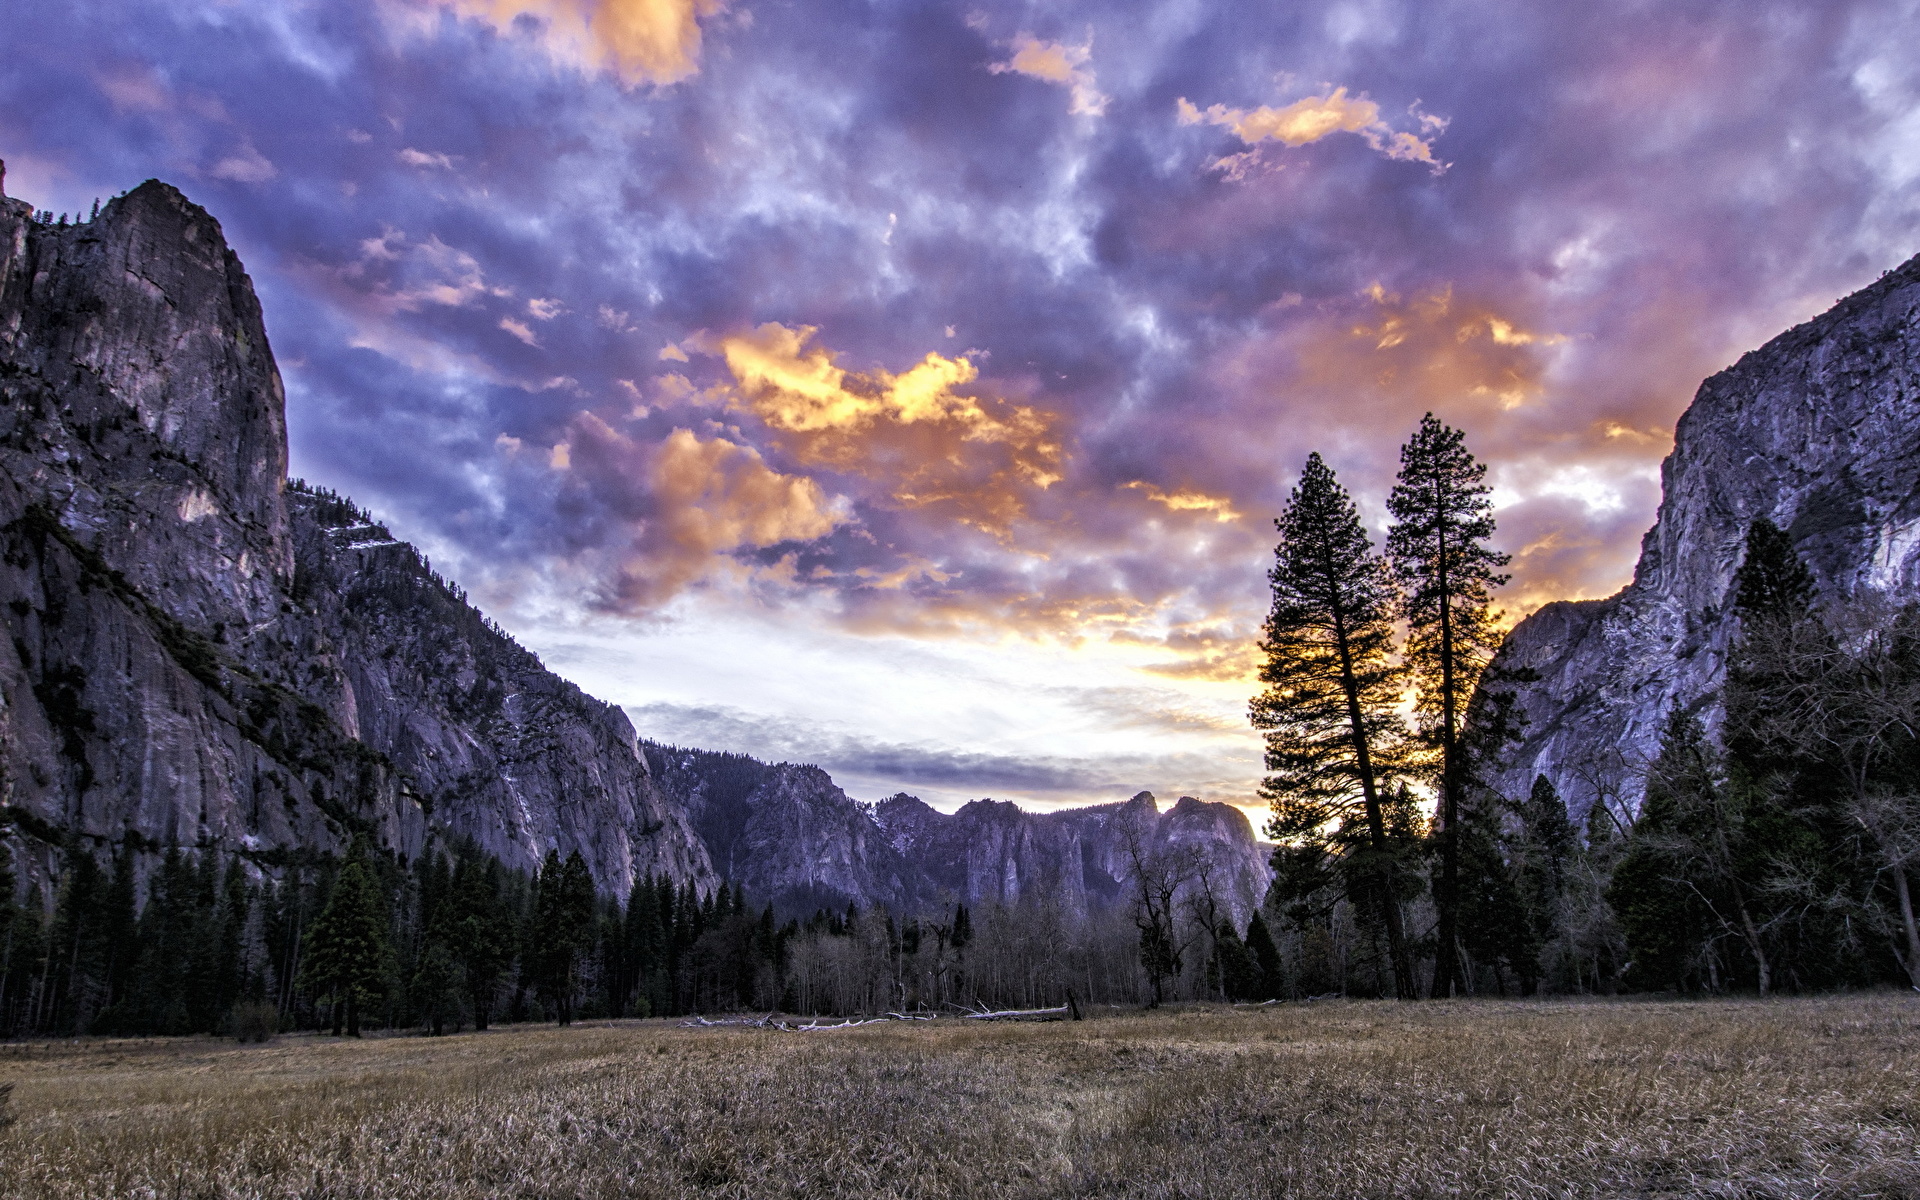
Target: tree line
x=1771, y=851
x=176, y=941
x=204, y=942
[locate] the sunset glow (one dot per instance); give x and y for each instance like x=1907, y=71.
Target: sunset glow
x=910, y=388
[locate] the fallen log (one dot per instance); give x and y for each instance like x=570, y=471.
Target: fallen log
x=699, y=1022
x=769, y=1022
x=1020, y=1014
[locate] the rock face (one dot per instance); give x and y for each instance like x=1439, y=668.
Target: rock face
x=789, y=835
x=1819, y=430
x=785, y=832
x=197, y=654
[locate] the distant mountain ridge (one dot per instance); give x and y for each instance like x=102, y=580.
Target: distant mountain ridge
x=792, y=837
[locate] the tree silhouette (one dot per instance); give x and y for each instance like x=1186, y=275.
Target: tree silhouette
x=1329, y=708
x=1438, y=549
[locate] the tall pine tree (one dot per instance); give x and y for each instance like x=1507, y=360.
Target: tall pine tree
x=560, y=934
x=1328, y=711
x=480, y=933
x=1543, y=850
x=1437, y=545
x=1784, y=785
x=346, y=955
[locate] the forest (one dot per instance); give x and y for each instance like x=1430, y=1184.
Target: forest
x=457, y=941
x=1770, y=850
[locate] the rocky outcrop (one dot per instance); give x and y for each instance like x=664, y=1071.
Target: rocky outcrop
x=790, y=836
x=197, y=654
x=1818, y=431
x=995, y=852
x=784, y=832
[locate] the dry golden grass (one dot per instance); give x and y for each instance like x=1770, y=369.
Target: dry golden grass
x=1787, y=1098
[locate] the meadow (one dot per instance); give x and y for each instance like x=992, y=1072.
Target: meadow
x=1799, y=1098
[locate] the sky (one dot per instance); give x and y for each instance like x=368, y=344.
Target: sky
x=910, y=387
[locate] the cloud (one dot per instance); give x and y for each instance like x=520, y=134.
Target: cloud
x=678, y=509
x=863, y=763
x=422, y=158
x=1627, y=212
x=1220, y=508
x=245, y=165
x=520, y=330
x=394, y=273
x=932, y=443
x=639, y=41
x=1312, y=118
x=1058, y=63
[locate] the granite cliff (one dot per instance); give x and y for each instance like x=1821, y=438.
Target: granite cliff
x=197, y=653
x=791, y=836
x=1819, y=431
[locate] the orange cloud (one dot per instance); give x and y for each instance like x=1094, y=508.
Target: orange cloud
x=1058, y=63
x=1432, y=351
x=1209, y=652
x=1575, y=471
x=1188, y=501
x=1312, y=118
x=929, y=442
x=640, y=41
x=696, y=502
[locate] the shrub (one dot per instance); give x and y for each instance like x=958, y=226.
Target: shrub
x=253, y=1023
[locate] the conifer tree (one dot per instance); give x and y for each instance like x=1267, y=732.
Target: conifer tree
x=1791, y=853
x=480, y=934
x=1266, y=957
x=79, y=974
x=347, y=951
x=9, y=926
x=1679, y=889
x=436, y=984
x=1328, y=710
x=561, y=932
x=231, y=981
x=122, y=941
x=27, y=959
x=1823, y=748
x=646, y=946
x=1233, y=967
x=1494, y=923
x=1773, y=594
x=1543, y=851
x=1547, y=845
x=1437, y=545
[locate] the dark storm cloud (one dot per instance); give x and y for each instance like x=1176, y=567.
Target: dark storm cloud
x=476, y=245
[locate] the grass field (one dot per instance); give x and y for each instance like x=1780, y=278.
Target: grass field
x=1787, y=1098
